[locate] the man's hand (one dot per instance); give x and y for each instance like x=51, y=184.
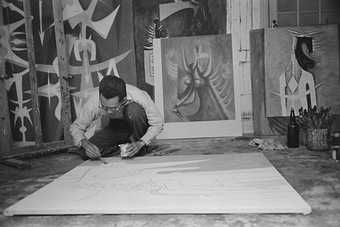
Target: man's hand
x=91, y=150
x=132, y=149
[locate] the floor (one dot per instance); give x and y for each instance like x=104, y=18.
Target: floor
x=313, y=174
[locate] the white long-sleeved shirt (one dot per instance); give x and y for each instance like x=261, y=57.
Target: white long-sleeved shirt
x=91, y=115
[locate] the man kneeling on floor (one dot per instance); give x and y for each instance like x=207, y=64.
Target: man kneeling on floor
x=127, y=115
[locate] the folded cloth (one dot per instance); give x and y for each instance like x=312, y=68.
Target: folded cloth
x=267, y=144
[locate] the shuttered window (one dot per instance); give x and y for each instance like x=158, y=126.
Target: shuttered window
x=306, y=12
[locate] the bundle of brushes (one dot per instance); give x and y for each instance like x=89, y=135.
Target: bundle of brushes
x=315, y=118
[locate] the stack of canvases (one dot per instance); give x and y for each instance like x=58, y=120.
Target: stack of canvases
x=194, y=81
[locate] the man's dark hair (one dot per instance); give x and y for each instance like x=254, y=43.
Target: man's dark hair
x=112, y=86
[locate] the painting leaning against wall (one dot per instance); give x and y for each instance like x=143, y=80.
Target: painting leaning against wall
x=195, y=87
x=301, y=69
x=197, y=79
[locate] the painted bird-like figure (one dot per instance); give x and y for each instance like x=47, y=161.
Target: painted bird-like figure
x=202, y=91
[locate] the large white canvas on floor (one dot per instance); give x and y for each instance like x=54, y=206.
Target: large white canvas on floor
x=228, y=183
x=195, y=88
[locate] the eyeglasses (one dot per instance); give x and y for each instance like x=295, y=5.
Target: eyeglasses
x=113, y=108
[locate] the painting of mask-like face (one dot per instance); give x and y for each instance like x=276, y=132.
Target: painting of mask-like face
x=198, y=79
x=302, y=69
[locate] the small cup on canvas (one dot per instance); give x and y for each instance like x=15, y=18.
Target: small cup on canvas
x=123, y=152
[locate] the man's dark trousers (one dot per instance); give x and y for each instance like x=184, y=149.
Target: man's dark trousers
x=118, y=131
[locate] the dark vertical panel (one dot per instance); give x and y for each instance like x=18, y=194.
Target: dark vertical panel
x=336, y=125
x=262, y=125
x=144, y=12
x=32, y=72
x=63, y=69
x=5, y=127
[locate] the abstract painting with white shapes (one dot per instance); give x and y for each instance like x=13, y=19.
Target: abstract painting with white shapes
x=302, y=69
x=97, y=45
x=195, y=80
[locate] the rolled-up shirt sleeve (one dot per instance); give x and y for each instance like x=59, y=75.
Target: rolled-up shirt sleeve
x=80, y=125
x=153, y=115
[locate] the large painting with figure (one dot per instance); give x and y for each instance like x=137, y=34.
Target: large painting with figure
x=301, y=69
x=99, y=42
x=195, y=87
